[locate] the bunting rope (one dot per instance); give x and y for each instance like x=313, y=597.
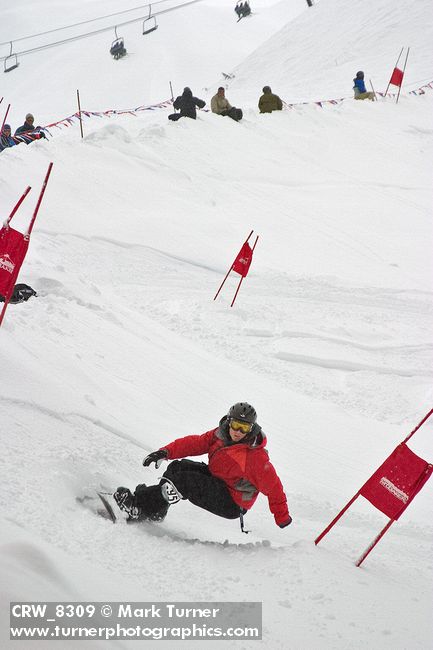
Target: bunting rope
x=72, y=119
x=69, y=121
x=323, y=102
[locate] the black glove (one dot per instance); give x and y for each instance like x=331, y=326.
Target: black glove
x=287, y=523
x=155, y=457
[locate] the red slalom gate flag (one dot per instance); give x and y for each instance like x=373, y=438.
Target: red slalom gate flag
x=13, y=249
x=243, y=260
x=398, y=74
x=397, y=481
x=392, y=487
x=396, y=77
x=14, y=246
x=241, y=265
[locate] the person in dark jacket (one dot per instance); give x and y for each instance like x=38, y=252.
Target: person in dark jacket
x=187, y=104
x=29, y=125
x=269, y=102
x=6, y=139
x=28, y=133
x=238, y=470
x=359, y=88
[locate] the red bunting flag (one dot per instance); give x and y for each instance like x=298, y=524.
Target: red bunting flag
x=392, y=487
x=241, y=265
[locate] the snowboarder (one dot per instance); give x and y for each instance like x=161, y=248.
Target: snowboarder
x=221, y=106
x=269, y=102
x=228, y=486
x=359, y=88
x=187, y=104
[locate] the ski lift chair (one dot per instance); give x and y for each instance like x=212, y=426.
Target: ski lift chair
x=247, y=9
x=117, y=49
x=11, y=61
x=149, y=23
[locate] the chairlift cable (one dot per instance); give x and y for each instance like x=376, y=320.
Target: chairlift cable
x=84, y=22
x=98, y=31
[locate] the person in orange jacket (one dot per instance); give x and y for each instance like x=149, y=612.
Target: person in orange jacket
x=238, y=470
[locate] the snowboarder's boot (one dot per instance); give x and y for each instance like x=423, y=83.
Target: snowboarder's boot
x=152, y=505
x=126, y=502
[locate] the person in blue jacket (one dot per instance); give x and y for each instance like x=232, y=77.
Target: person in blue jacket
x=6, y=139
x=359, y=87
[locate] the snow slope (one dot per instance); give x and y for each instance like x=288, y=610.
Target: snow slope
x=124, y=348
x=309, y=60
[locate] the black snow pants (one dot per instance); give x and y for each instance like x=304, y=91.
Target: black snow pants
x=196, y=484
x=235, y=113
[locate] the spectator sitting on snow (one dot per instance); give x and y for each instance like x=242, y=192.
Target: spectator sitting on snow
x=187, y=104
x=359, y=87
x=6, y=139
x=27, y=126
x=269, y=102
x=28, y=132
x=221, y=106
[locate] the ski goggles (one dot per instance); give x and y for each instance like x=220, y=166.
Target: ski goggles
x=244, y=427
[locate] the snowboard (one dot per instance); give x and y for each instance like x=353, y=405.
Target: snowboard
x=99, y=503
x=108, y=507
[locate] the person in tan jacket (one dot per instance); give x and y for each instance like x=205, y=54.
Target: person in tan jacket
x=269, y=102
x=221, y=106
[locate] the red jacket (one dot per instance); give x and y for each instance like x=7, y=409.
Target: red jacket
x=244, y=467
